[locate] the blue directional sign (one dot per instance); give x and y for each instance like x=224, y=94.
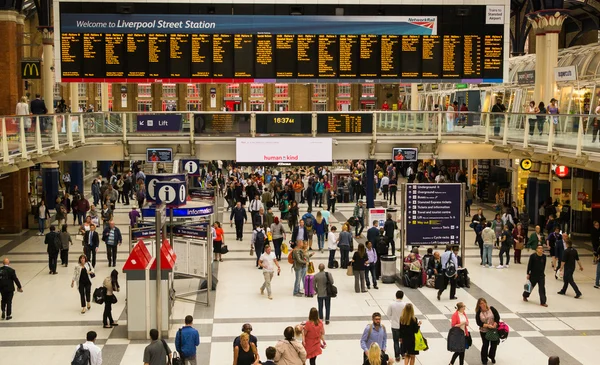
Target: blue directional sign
x=182, y=212
x=192, y=167
x=172, y=193
x=159, y=123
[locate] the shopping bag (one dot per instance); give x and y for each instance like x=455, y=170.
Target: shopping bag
x=311, y=268
x=350, y=271
x=284, y=248
x=420, y=342
x=527, y=286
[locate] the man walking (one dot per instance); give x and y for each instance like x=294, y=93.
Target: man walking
x=255, y=206
x=238, y=214
x=359, y=215
x=374, y=332
x=389, y=227
x=186, y=341
x=53, y=244
x=449, y=271
x=300, y=263
x=372, y=268
x=157, y=352
x=268, y=261
x=94, y=356
x=91, y=241
x=394, y=312
x=8, y=280
x=535, y=274
x=112, y=237
x=323, y=297
x=569, y=258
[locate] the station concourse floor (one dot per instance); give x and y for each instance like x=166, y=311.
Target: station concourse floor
x=47, y=324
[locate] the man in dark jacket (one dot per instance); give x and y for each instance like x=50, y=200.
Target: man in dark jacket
x=112, y=237
x=8, y=279
x=535, y=274
x=91, y=241
x=373, y=233
x=300, y=233
x=389, y=226
x=53, y=242
x=238, y=214
x=309, y=194
x=569, y=258
x=38, y=107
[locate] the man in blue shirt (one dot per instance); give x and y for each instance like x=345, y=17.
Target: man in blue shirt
x=374, y=332
x=186, y=341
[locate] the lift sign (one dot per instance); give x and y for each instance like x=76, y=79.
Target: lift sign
x=159, y=123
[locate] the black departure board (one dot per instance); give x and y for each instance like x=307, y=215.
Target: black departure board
x=390, y=56
x=264, y=62
x=307, y=55
x=492, y=56
x=179, y=55
x=283, y=123
x=184, y=56
x=93, y=55
x=137, y=55
x=115, y=52
x=202, y=55
x=243, y=53
x=349, y=48
x=452, y=59
x=341, y=123
x=71, y=52
x=222, y=123
x=431, y=48
x=369, y=56
x=328, y=55
x=410, y=57
x=222, y=56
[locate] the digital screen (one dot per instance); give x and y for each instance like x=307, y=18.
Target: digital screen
x=179, y=54
x=285, y=50
x=348, y=56
x=137, y=55
x=452, y=60
x=405, y=154
x=264, y=61
x=243, y=53
x=285, y=123
x=93, y=55
x=308, y=52
x=222, y=56
x=159, y=155
x=345, y=123
x=411, y=57
x=492, y=57
x=472, y=56
x=115, y=54
x=201, y=55
x=432, y=53
x=158, y=53
x=390, y=56
x=369, y=56
x=222, y=123
x=71, y=49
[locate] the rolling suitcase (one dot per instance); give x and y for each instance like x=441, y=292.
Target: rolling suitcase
x=439, y=281
x=309, y=286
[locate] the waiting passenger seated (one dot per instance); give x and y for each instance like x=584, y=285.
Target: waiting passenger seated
x=434, y=266
x=427, y=258
x=413, y=268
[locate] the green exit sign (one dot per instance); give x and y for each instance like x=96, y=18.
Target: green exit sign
x=462, y=86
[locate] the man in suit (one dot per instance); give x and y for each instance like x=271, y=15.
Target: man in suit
x=38, y=107
x=515, y=212
x=259, y=218
x=300, y=233
x=239, y=215
x=112, y=237
x=255, y=206
x=91, y=241
x=52, y=242
x=8, y=279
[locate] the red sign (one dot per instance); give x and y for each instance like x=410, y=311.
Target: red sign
x=557, y=191
x=562, y=171
x=582, y=195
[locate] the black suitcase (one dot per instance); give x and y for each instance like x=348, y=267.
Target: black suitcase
x=406, y=280
x=414, y=282
x=439, y=281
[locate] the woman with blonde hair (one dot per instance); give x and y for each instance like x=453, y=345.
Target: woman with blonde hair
x=409, y=326
x=377, y=357
x=245, y=353
x=460, y=321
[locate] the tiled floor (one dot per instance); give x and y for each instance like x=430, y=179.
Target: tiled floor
x=47, y=324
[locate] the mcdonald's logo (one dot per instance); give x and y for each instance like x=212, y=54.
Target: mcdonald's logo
x=30, y=70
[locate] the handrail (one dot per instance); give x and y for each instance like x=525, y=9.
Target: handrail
x=27, y=136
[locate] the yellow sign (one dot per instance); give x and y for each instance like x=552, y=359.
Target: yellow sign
x=30, y=70
x=526, y=164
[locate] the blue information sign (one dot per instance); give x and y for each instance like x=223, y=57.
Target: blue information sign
x=181, y=212
x=433, y=214
x=159, y=122
x=172, y=193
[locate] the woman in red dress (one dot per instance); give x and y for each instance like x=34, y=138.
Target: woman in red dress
x=313, y=336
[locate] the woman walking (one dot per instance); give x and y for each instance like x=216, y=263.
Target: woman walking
x=320, y=227
x=111, y=283
x=82, y=275
x=219, y=236
x=246, y=353
x=65, y=240
x=541, y=117
x=487, y=319
x=553, y=110
x=409, y=326
x=289, y=351
x=313, y=336
x=461, y=322
x=377, y=357
x=278, y=234
x=359, y=264
x=519, y=239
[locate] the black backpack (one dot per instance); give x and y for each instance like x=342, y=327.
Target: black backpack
x=260, y=238
x=99, y=295
x=382, y=246
x=82, y=356
x=450, y=269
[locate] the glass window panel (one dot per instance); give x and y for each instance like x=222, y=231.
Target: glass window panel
x=144, y=90
x=281, y=91
x=320, y=90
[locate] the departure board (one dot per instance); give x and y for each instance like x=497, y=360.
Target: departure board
x=93, y=55
x=179, y=54
x=137, y=55
x=328, y=55
x=492, y=56
x=202, y=55
x=431, y=48
x=345, y=123
x=369, y=56
x=308, y=56
x=222, y=56
x=222, y=123
x=411, y=57
x=158, y=53
x=349, y=56
x=264, y=62
x=390, y=56
x=285, y=50
x=243, y=54
x=452, y=60
x=472, y=56
x=71, y=48
x=115, y=55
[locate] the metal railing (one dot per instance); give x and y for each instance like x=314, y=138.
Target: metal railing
x=24, y=137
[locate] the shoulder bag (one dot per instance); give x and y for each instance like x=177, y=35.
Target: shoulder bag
x=492, y=335
x=331, y=289
x=166, y=351
x=350, y=270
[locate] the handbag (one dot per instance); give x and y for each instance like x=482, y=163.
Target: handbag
x=527, y=286
x=330, y=288
x=284, y=248
x=114, y=299
x=350, y=271
x=468, y=341
x=224, y=249
x=311, y=268
x=166, y=351
x=420, y=342
x=492, y=335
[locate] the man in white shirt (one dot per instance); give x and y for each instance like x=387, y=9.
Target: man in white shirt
x=268, y=262
x=255, y=206
x=394, y=312
x=90, y=345
x=385, y=182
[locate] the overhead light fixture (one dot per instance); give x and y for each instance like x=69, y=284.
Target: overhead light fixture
x=339, y=11
x=125, y=8
x=296, y=10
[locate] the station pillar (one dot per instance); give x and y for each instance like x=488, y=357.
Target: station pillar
x=9, y=92
x=414, y=97
x=76, y=170
x=103, y=167
x=547, y=25
x=15, y=201
x=370, y=184
x=48, y=67
x=50, y=180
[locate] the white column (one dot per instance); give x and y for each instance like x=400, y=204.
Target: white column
x=74, y=92
x=104, y=88
x=540, y=68
x=551, y=54
x=48, y=69
x=414, y=97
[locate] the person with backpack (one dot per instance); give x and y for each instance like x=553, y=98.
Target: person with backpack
x=449, y=271
x=374, y=333
x=506, y=241
x=259, y=238
x=157, y=352
x=88, y=353
x=309, y=223
x=186, y=341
